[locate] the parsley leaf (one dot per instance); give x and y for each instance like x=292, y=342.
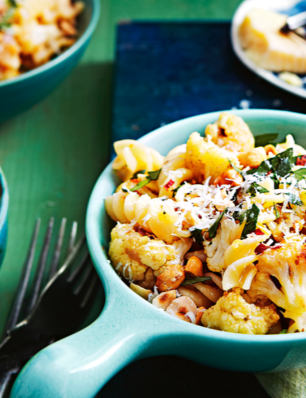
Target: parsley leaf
x=135, y=175
x=251, y=221
x=152, y=176
x=283, y=162
x=265, y=139
x=191, y=281
x=197, y=236
x=300, y=174
x=256, y=188
x=277, y=213
x=235, y=167
x=284, y=331
x=275, y=180
x=262, y=169
x=240, y=216
x=293, y=199
x=212, y=232
x=12, y=3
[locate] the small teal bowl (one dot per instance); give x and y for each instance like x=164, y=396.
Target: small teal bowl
x=4, y=204
x=130, y=328
x=21, y=92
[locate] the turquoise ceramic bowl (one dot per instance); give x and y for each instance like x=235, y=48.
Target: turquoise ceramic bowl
x=130, y=328
x=4, y=203
x=20, y=93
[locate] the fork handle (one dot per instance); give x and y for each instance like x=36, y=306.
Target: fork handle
x=80, y=365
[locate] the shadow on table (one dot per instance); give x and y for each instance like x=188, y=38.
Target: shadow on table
x=168, y=377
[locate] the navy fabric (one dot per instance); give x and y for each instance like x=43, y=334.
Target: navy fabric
x=167, y=71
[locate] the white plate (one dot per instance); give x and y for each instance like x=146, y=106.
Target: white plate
x=289, y=7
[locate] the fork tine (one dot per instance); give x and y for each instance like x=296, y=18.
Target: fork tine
x=73, y=234
x=15, y=311
x=41, y=265
x=90, y=291
x=58, y=248
x=76, y=272
x=85, y=278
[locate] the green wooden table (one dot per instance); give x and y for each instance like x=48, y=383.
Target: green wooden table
x=53, y=153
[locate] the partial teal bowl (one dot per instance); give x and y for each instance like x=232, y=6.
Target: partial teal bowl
x=21, y=92
x=4, y=205
x=130, y=328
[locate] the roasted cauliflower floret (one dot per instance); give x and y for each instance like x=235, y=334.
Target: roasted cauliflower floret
x=252, y=158
x=233, y=314
x=206, y=159
x=288, y=265
x=132, y=253
x=215, y=250
x=230, y=132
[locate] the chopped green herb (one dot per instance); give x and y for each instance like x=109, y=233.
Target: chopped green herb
x=197, y=236
x=275, y=180
x=265, y=139
x=277, y=213
x=174, y=191
x=251, y=221
x=212, y=232
x=284, y=331
x=135, y=175
x=293, y=199
x=239, y=216
x=300, y=174
x=235, y=167
x=125, y=190
x=256, y=188
x=12, y=3
x=283, y=162
x=152, y=176
x=262, y=169
x=5, y=21
x=191, y=281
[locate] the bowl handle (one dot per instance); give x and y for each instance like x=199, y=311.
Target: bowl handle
x=80, y=365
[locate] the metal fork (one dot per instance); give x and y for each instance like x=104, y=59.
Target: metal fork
x=54, y=313
x=296, y=24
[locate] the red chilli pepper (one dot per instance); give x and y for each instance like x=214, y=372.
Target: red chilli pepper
x=301, y=161
x=262, y=248
x=258, y=232
x=169, y=184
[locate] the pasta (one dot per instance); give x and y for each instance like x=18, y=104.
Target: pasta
x=214, y=232
x=33, y=31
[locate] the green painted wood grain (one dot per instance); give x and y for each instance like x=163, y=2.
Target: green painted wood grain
x=53, y=153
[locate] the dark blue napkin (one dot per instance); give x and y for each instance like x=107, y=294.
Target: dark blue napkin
x=167, y=71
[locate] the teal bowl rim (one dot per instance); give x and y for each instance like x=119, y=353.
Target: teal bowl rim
x=109, y=276
x=4, y=200
x=66, y=54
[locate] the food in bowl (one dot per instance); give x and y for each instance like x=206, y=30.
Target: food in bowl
x=214, y=233
x=261, y=37
x=32, y=32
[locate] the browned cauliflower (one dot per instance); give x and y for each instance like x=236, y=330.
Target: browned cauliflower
x=132, y=253
x=288, y=265
x=215, y=250
x=206, y=159
x=233, y=314
x=231, y=132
